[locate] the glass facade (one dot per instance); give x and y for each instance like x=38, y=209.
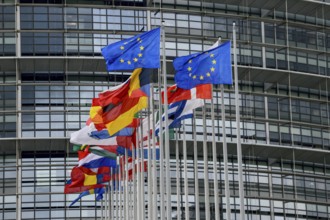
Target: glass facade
x=51, y=67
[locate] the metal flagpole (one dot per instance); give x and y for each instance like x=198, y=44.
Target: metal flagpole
x=197, y=213
x=117, y=192
x=150, y=203
x=126, y=186
x=178, y=185
x=105, y=211
x=185, y=171
x=225, y=153
x=154, y=168
x=215, y=162
x=120, y=189
x=238, y=131
x=134, y=182
x=141, y=166
x=111, y=192
x=167, y=148
x=138, y=177
x=206, y=170
x=103, y=208
x=149, y=179
x=161, y=156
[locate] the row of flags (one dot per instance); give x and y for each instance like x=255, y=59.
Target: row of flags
x=108, y=142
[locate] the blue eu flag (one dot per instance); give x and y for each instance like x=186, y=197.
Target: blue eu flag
x=140, y=51
x=209, y=67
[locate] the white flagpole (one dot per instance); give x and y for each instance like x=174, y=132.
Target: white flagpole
x=103, y=208
x=117, y=193
x=167, y=148
x=161, y=151
x=138, y=170
x=120, y=189
x=141, y=166
x=150, y=203
x=149, y=178
x=225, y=153
x=154, y=171
x=134, y=182
x=126, y=186
x=238, y=131
x=107, y=206
x=111, y=192
x=185, y=171
x=206, y=170
x=178, y=185
x=197, y=212
x=215, y=163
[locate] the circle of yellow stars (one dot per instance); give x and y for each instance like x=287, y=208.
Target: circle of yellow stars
x=137, y=57
x=202, y=76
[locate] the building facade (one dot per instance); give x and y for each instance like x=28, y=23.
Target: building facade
x=51, y=68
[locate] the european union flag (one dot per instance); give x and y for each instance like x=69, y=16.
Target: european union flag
x=140, y=51
x=209, y=67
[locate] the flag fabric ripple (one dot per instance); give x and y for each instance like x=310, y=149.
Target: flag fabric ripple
x=209, y=67
x=140, y=51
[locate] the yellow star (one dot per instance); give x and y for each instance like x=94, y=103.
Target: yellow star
x=141, y=48
x=194, y=77
x=140, y=54
x=212, y=55
x=201, y=77
x=122, y=47
x=121, y=60
x=212, y=69
x=138, y=39
x=208, y=74
x=190, y=61
x=214, y=61
x=135, y=59
x=189, y=68
x=128, y=62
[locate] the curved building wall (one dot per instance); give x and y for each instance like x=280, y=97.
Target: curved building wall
x=51, y=68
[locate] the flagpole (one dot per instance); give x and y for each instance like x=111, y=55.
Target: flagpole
x=134, y=203
x=197, y=212
x=123, y=184
x=185, y=171
x=215, y=162
x=141, y=165
x=206, y=170
x=167, y=148
x=106, y=206
x=149, y=172
x=225, y=153
x=103, y=209
x=238, y=131
x=178, y=185
x=154, y=171
x=161, y=156
x=111, y=208
x=126, y=186
x=120, y=190
x=117, y=192
x=138, y=177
